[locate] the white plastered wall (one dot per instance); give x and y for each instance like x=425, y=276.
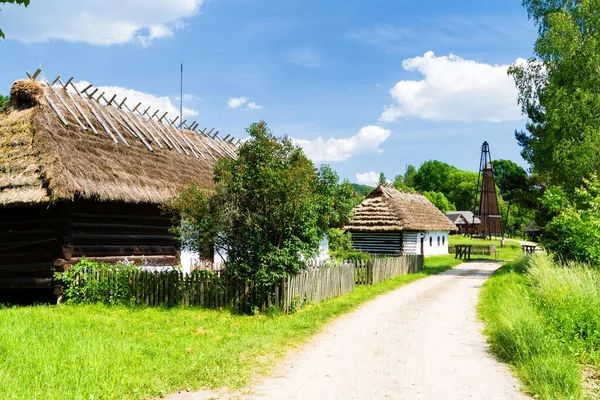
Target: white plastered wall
x=436, y=243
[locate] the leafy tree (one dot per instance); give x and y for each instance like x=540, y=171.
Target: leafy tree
x=409, y=176
x=558, y=91
x=382, y=180
x=3, y=101
x=574, y=232
x=339, y=240
x=440, y=201
x=462, y=186
x=23, y=2
x=433, y=176
x=361, y=191
x=270, y=209
x=509, y=177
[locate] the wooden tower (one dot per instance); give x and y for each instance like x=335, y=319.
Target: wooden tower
x=486, y=198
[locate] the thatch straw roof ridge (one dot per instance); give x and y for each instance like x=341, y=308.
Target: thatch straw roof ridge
x=42, y=159
x=387, y=209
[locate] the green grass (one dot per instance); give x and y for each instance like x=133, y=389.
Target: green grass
x=510, y=251
x=102, y=352
x=543, y=319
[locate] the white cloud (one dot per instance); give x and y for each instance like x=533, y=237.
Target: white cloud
x=368, y=178
x=162, y=103
x=253, y=106
x=454, y=89
x=368, y=140
x=236, y=102
x=105, y=22
x=305, y=57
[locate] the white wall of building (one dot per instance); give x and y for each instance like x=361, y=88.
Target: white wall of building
x=436, y=243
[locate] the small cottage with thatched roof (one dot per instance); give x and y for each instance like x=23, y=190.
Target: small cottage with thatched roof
x=390, y=222
x=84, y=175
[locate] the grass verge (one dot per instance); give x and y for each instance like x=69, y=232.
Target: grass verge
x=102, y=352
x=543, y=320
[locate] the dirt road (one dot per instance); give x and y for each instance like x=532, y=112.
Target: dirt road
x=422, y=341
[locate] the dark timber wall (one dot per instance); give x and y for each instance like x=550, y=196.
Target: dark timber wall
x=28, y=245
x=388, y=243
x=36, y=241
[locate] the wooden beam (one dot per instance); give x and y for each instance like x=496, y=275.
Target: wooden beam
x=94, y=112
x=64, y=103
x=56, y=110
x=79, y=109
x=36, y=74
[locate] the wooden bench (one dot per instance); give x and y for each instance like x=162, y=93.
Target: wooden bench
x=528, y=249
x=463, y=251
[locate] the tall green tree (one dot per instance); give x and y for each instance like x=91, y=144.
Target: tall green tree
x=433, y=176
x=440, y=201
x=558, y=91
x=270, y=209
x=409, y=176
x=382, y=180
x=3, y=102
x=510, y=178
x=462, y=186
x=23, y=2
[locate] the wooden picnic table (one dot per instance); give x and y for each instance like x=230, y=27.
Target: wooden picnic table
x=529, y=249
x=463, y=251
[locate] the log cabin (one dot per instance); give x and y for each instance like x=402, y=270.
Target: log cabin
x=83, y=175
x=392, y=223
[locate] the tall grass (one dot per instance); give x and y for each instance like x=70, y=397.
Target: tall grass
x=543, y=318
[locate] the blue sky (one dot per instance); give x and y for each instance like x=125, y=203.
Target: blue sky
x=365, y=86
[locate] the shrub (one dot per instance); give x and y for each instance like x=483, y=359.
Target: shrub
x=352, y=256
x=96, y=282
x=574, y=232
x=339, y=240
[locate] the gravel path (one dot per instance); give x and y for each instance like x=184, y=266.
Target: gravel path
x=422, y=341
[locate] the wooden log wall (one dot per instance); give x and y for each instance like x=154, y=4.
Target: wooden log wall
x=113, y=231
x=29, y=242
x=378, y=243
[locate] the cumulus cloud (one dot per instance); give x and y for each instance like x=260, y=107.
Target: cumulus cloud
x=367, y=140
x=238, y=102
x=253, y=106
x=454, y=89
x=368, y=178
x=162, y=103
x=105, y=22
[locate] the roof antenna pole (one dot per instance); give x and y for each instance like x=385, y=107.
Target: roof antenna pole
x=181, y=99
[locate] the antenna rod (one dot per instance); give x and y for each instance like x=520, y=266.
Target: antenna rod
x=181, y=99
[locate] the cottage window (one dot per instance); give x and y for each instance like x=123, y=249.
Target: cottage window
x=438, y=241
x=443, y=240
x=430, y=241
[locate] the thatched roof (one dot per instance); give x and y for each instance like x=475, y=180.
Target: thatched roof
x=58, y=145
x=387, y=209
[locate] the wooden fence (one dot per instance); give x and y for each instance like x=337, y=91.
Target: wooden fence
x=316, y=285
x=381, y=269
x=217, y=289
